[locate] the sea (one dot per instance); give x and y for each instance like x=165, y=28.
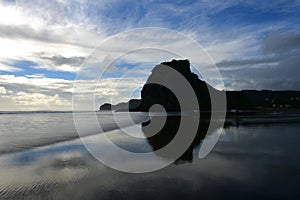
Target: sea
x=47, y=155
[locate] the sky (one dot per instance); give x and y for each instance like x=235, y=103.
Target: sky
x=47, y=46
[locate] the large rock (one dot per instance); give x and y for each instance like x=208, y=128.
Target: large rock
x=157, y=94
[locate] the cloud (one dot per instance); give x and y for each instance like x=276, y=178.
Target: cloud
x=252, y=74
x=28, y=50
x=282, y=42
x=36, y=92
x=61, y=68
x=277, y=68
x=38, y=100
x=58, y=35
x=253, y=61
x=35, y=76
x=52, y=34
x=2, y=90
x=36, y=84
x=61, y=60
x=31, y=28
x=8, y=68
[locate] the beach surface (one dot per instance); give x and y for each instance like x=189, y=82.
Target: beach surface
x=47, y=160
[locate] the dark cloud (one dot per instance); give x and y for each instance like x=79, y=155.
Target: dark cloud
x=279, y=42
x=280, y=45
x=61, y=60
x=26, y=32
x=278, y=70
x=283, y=76
x=254, y=61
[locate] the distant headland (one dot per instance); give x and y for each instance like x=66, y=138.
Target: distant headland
x=237, y=101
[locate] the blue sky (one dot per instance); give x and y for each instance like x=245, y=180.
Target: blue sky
x=255, y=44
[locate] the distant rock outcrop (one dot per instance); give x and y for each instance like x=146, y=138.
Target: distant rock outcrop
x=131, y=105
x=106, y=106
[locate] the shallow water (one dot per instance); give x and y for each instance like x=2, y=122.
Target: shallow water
x=250, y=161
x=25, y=130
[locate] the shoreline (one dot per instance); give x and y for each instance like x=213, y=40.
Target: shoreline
x=243, y=118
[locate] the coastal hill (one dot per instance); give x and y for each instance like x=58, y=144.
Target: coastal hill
x=157, y=94
x=254, y=100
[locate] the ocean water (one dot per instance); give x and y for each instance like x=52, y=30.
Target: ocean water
x=25, y=130
x=253, y=159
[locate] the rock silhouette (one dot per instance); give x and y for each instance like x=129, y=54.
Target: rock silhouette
x=158, y=94
x=168, y=132
x=131, y=105
x=237, y=101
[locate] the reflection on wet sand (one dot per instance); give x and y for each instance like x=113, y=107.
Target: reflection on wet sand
x=252, y=161
x=160, y=138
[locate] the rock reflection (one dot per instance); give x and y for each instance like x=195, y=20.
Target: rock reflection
x=165, y=135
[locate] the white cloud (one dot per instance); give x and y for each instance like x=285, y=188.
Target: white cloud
x=36, y=92
x=30, y=28
x=8, y=68
x=35, y=76
x=62, y=68
x=11, y=15
x=36, y=81
x=2, y=90
x=38, y=99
